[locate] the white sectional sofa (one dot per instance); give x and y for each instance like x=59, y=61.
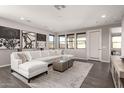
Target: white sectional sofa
x=37, y=63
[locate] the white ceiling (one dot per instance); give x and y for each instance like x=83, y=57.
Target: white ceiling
x=70, y=18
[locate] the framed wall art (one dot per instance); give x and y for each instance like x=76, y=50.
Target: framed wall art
x=41, y=40
x=28, y=40
x=9, y=38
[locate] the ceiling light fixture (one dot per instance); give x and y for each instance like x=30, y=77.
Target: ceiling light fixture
x=103, y=16
x=59, y=7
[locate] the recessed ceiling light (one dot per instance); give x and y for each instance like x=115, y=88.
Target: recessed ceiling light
x=103, y=16
x=22, y=18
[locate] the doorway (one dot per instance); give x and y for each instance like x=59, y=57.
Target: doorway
x=94, y=45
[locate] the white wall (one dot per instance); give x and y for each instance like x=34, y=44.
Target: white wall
x=5, y=54
x=82, y=53
x=5, y=57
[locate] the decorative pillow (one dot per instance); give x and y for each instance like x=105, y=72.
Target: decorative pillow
x=28, y=56
x=23, y=57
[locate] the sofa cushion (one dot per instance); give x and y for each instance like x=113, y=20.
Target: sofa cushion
x=35, y=54
x=32, y=66
x=52, y=53
x=45, y=53
x=49, y=59
x=58, y=52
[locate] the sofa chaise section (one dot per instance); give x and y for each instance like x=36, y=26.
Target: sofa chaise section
x=27, y=69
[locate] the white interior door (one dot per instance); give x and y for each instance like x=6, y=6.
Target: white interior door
x=95, y=45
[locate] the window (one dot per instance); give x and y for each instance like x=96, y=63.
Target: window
x=51, y=41
x=116, y=37
x=70, y=41
x=62, y=41
x=81, y=40
x=116, y=42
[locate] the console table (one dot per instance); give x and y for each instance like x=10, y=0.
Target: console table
x=117, y=71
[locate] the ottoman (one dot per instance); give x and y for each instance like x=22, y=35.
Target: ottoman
x=60, y=66
x=70, y=63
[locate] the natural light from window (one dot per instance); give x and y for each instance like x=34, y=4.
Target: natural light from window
x=70, y=41
x=51, y=41
x=62, y=41
x=116, y=42
x=81, y=41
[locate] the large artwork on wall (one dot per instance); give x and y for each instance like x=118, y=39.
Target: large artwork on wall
x=29, y=40
x=9, y=38
x=41, y=40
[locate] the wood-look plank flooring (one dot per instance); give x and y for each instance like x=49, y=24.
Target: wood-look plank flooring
x=99, y=76
x=7, y=80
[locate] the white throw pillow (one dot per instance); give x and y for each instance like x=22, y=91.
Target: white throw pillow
x=28, y=55
x=23, y=57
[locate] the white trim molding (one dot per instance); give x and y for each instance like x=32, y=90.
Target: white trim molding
x=80, y=58
x=5, y=65
x=105, y=61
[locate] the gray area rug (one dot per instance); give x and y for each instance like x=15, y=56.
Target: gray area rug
x=71, y=78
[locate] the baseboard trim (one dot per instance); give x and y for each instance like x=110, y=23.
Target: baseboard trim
x=4, y=65
x=80, y=58
x=105, y=61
